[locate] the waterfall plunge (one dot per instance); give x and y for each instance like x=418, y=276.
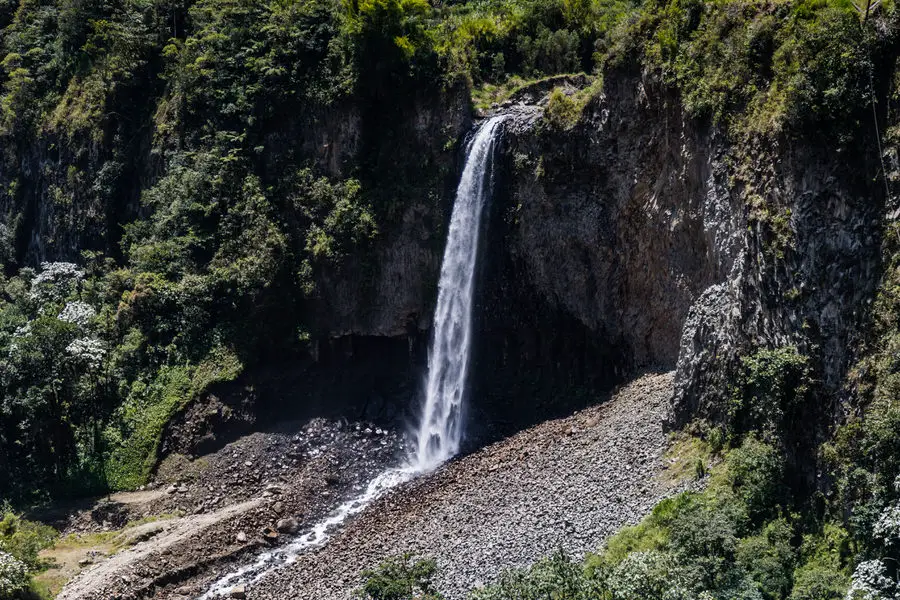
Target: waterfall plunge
x=440, y=428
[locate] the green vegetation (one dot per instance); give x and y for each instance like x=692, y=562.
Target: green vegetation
x=736, y=539
x=759, y=68
x=21, y=541
x=221, y=161
x=401, y=578
x=68, y=555
x=226, y=251
x=773, y=392
x=218, y=264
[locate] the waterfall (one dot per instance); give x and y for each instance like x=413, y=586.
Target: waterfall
x=439, y=431
x=440, y=428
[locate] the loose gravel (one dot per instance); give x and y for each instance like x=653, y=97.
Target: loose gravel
x=567, y=483
x=228, y=506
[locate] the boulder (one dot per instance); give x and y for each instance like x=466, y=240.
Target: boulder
x=287, y=525
x=238, y=591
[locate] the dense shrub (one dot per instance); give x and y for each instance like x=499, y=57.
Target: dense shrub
x=773, y=391
x=20, y=543
x=13, y=575
x=24, y=539
x=400, y=578
x=755, y=472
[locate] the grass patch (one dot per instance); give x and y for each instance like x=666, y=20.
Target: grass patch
x=564, y=110
x=688, y=458
x=487, y=95
x=65, y=559
x=148, y=409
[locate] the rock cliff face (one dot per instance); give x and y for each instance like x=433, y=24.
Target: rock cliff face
x=391, y=293
x=639, y=237
x=636, y=238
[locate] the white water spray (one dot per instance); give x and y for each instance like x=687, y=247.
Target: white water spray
x=440, y=429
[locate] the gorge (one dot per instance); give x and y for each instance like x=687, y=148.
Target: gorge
x=578, y=291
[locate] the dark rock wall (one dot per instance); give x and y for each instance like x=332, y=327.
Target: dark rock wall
x=632, y=240
x=642, y=238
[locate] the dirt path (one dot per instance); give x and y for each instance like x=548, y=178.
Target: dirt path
x=219, y=510
x=152, y=540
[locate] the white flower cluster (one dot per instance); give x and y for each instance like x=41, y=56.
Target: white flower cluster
x=89, y=350
x=648, y=574
x=77, y=312
x=871, y=582
x=55, y=272
x=13, y=575
x=56, y=280
x=22, y=331
x=887, y=528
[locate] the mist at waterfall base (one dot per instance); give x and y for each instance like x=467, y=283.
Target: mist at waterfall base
x=439, y=432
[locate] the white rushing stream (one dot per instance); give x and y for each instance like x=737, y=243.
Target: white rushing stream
x=440, y=428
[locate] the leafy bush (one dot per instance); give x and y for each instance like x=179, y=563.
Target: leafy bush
x=815, y=582
x=562, y=111
x=757, y=67
x=773, y=390
x=133, y=442
x=769, y=559
x=24, y=539
x=400, y=578
x=755, y=472
x=556, y=576
x=649, y=575
x=13, y=575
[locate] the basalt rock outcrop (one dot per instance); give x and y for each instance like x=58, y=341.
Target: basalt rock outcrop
x=639, y=236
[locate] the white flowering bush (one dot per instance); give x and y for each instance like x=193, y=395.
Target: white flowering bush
x=88, y=350
x=648, y=575
x=13, y=575
x=77, y=312
x=870, y=581
x=887, y=527
x=56, y=281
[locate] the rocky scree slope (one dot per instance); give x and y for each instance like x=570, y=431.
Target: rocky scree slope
x=567, y=483
x=224, y=508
